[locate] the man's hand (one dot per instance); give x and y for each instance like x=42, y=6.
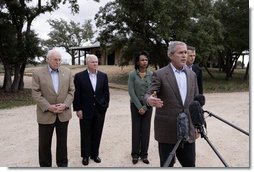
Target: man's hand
x=79, y=114
x=197, y=135
x=57, y=108
x=52, y=108
x=154, y=101
x=60, y=107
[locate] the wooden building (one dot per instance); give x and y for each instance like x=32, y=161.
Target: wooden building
x=105, y=56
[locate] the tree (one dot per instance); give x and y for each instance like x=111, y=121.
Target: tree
x=151, y=24
x=69, y=34
x=234, y=15
x=20, y=14
x=206, y=33
x=218, y=29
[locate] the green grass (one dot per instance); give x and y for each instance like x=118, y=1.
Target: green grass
x=219, y=84
x=215, y=85
x=21, y=98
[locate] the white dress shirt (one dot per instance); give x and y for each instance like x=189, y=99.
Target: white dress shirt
x=93, y=79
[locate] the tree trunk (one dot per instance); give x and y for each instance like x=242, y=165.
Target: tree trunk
x=22, y=71
x=211, y=75
x=7, y=78
x=15, y=84
x=231, y=65
x=72, y=57
x=246, y=72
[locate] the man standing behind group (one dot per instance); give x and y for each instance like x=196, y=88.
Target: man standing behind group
x=91, y=100
x=138, y=83
x=175, y=89
x=52, y=90
x=191, y=56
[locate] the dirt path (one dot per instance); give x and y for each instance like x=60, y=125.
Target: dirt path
x=19, y=135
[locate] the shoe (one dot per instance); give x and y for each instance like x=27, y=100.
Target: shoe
x=145, y=160
x=96, y=159
x=85, y=161
x=134, y=160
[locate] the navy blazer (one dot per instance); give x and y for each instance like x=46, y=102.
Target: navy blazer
x=88, y=100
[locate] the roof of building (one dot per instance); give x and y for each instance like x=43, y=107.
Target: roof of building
x=94, y=45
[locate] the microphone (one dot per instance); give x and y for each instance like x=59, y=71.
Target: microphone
x=196, y=113
x=200, y=98
x=183, y=126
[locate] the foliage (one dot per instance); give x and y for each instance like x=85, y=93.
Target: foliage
x=19, y=15
x=210, y=26
x=68, y=35
x=8, y=41
x=234, y=15
x=133, y=25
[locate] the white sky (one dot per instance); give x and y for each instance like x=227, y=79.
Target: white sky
x=87, y=10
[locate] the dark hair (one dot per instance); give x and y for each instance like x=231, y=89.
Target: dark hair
x=190, y=48
x=145, y=53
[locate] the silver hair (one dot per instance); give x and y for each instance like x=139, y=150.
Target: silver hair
x=91, y=56
x=172, y=47
x=52, y=52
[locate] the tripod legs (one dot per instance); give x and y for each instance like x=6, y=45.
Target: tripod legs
x=203, y=135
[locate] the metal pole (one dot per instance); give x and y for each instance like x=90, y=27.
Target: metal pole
x=239, y=129
x=172, y=153
x=217, y=153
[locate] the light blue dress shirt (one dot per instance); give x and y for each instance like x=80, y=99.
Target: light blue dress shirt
x=55, y=78
x=181, y=81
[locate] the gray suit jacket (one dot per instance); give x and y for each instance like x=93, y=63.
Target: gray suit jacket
x=165, y=122
x=44, y=94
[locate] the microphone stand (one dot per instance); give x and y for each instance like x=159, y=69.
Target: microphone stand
x=239, y=129
x=203, y=135
x=172, y=153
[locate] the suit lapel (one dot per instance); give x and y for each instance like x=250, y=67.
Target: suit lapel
x=98, y=80
x=61, y=79
x=187, y=72
x=173, y=83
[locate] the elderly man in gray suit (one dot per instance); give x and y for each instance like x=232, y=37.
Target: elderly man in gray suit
x=172, y=89
x=53, y=90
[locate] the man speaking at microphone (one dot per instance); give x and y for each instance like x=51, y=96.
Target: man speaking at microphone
x=172, y=89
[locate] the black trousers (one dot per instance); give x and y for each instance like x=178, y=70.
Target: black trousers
x=90, y=135
x=185, y=153
x=45, y=140
x=141, y=125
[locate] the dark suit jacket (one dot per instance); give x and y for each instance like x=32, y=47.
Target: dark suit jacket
x=165, y=121
x=88, y=100
x=198, y=71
